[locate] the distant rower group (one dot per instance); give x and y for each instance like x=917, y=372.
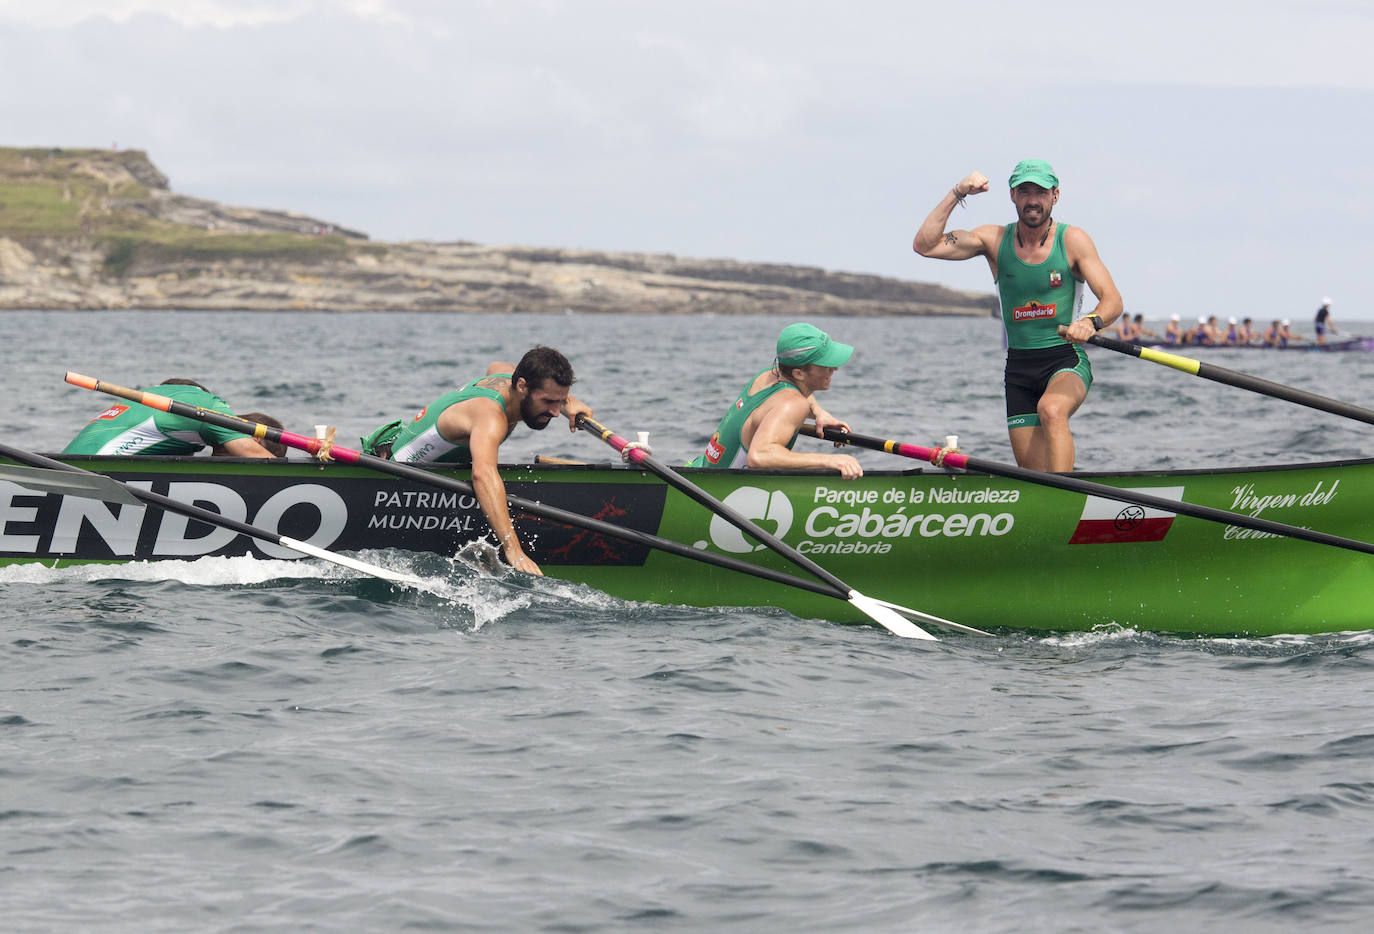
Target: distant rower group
x=1207, y=333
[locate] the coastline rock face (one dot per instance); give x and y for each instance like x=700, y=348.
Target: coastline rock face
x=109, y=233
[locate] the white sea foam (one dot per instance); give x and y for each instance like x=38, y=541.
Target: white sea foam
x=489, y=589
x=209, y=571
x=1102, y=635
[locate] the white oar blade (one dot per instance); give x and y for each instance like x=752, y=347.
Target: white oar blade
x=930, y=618
x=889, y=619
x=305, y=548
x=87, y=485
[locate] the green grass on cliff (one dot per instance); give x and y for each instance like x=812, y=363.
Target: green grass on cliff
x=45, y=198
x=124, y=249
x=38, y=209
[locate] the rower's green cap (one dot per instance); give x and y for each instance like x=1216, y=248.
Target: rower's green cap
x=1035, y=171
x=804, y=344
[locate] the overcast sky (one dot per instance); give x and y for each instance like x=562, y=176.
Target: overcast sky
x=1215, y=151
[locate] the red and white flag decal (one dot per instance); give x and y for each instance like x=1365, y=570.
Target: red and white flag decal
x=1107, y=521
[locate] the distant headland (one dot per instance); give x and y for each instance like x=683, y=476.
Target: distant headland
x=101, y=229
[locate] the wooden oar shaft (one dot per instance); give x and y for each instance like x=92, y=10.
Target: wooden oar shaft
x=420, y=475
x=1102, y=490
x=1220, y=374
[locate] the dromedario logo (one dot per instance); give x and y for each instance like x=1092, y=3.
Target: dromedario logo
x=771, y=511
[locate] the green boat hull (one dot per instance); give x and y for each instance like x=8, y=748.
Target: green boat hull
x=983, y=551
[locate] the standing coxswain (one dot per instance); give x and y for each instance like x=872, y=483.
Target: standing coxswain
x=1040, y=267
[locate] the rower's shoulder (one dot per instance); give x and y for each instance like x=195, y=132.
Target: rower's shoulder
x=765, y=380
x=791, y=406
x=1078, y=244
x=499, y=382
x=1075, y=236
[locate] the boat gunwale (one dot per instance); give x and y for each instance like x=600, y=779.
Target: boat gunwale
x=608, y=467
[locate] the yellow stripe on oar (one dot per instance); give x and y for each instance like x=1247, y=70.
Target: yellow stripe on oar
x=1185, y=364
x=1220, y=374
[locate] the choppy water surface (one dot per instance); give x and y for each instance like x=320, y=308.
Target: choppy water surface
x=230, y=745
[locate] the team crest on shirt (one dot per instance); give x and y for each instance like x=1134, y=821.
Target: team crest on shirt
x=1056, y=280
x=1034, y=311
x=421, y=414
x=739, y=403
x=714, y=449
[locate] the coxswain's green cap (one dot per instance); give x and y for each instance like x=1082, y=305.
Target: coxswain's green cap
x=803, y=344
x=1035, y=171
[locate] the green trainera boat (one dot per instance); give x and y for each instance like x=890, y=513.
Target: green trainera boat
x=979, y=550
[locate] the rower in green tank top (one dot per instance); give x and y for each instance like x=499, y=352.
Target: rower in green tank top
x=1040, y=267
x=467, y=426
x=127, y=428
x=420, y=441
x=761, y=425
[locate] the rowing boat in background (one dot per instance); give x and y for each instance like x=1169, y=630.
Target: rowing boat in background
x=983, y=550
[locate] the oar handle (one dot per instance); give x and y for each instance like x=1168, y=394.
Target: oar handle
x=634, y=455
x=937, y=456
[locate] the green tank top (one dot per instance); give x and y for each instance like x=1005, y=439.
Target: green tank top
x=1036, y=299
x=419, y=441
x=130, y=428
x=726, y=447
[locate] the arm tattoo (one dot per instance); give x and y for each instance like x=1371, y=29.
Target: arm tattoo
x=951, y=239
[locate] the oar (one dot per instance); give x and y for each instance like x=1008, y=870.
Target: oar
x=53, y=476
x=1075, y=485
x=86, y=485
x=1220, y=374
x=874, y=609
x=419, y=475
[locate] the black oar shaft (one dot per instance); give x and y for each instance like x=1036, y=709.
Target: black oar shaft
x=874, y=609
x=698, y=495
x=1220, y=374
x=207, y=516
x=147, y=496
x=1102, y=490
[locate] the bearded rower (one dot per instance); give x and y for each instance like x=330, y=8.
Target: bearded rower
x=466, y=426
x=1040, y=267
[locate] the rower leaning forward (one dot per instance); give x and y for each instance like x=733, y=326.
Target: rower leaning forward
x=467, y=425
x=1040, y=266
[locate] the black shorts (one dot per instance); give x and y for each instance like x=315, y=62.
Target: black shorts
x=1029, y=373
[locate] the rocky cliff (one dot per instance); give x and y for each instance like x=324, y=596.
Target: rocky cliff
x=103, y=229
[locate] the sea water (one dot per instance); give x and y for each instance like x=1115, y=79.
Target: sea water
x=239, y=745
